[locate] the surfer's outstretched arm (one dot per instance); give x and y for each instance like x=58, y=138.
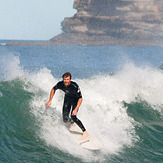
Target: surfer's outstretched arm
x=50, y=99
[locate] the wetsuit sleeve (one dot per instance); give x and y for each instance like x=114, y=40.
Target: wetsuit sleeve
x=57, y=86
x=79, y=95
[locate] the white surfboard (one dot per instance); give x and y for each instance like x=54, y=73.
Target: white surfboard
x=91, y=142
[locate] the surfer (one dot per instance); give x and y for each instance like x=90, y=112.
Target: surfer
x=72, y=100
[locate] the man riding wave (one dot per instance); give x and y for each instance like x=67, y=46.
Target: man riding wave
x=72, y=101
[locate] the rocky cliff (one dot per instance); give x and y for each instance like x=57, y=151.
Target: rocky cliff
x=113, y=22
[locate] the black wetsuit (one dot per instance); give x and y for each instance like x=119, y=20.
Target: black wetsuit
x=72, y=95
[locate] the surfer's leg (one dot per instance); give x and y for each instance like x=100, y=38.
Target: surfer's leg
x=66, y=112
x=79, y=123
x=76, y=120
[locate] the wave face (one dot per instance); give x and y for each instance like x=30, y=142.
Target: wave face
x=122, y=105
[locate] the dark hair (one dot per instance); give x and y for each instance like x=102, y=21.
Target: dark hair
x=66, y=75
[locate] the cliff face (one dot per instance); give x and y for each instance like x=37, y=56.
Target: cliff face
x=105, y=22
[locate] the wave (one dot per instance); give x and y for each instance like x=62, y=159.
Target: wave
x=2, y=44
x=115, y=108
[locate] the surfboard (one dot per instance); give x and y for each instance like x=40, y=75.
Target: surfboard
x=91, y=142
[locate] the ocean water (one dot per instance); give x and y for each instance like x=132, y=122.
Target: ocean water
x=122, y=88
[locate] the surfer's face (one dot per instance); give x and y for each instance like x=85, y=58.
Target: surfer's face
x=66, y=81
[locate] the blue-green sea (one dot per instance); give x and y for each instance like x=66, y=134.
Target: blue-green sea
x=122, y=90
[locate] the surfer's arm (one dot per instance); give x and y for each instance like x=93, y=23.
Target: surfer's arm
x=77, y=106
x=50, y=99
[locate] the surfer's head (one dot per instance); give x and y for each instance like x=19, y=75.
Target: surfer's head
x=66, y=78
x=66, y=74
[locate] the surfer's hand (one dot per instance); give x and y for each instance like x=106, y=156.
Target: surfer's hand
x=48, y=104
x=74, y=112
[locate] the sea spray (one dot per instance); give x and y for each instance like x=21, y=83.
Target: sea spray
x=103, y=111
x=103, y=116
x=106, y=111
x=9, y=67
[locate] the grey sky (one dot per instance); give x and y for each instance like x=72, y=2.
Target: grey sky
x=33, y=19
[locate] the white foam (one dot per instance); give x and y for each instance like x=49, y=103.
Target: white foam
x=9, y=67
x=145, y=83
x=3, y=44
x=102, y=111
x=104, y=115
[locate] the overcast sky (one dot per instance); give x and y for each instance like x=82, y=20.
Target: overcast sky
x=33, y=19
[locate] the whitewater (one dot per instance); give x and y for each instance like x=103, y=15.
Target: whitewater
x=122, y=103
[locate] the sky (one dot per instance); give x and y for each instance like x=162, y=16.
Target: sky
x=33, y=19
